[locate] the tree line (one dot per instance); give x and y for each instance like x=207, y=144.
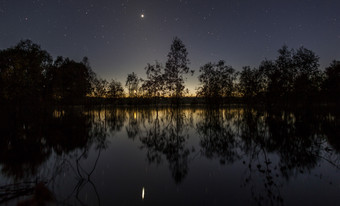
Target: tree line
x=29, y=75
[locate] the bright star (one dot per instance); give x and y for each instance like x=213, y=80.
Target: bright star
x=142, y=16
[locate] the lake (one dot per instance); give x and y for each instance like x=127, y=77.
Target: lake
x=188, y=156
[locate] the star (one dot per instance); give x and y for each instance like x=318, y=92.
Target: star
x=142, y=16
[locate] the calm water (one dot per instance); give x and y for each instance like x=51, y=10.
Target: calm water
x=128, y=156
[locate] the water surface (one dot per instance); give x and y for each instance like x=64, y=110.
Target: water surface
x=188, y=156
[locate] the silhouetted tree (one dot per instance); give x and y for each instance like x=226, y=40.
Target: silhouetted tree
x=285, y=64
x=293, y=76
x=217, y=80
x=175, y=68
x=69, y=81
x=28, y=75
x=280, y=75
x=100, y=87
x=308, y=79
x=22, y=73
x=251, y=82
x=115, y=89
x=272, y=80
x=154, y=84
x=331, y=85
x=208, y=78
x=132, y=82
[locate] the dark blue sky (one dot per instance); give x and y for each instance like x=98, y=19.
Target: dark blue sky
x=118, y=41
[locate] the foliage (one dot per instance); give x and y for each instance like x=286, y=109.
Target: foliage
x=115, y=89
x=22, y=72
x=132, y=82
x=69, y=80
x=175, y=68
x=100, y=87
x=217, y=80
x=28, y=75
x=331, y=84
x=307, y=81
x=251, y=82
x=293, y=75
x=153, y=86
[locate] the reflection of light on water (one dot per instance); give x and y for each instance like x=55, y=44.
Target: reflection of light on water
x=134, y=115
x=143, y=193
x=58, y=113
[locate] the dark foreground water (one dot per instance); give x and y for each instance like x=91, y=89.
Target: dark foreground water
x=128, y=156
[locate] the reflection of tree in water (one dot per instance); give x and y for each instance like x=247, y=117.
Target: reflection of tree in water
x=104, y=121
x=30, y=137
x=115, y=119
x=23, y=145
x=262, y=175
x=330, y=126
x=274, y=145
x=133, y=126
x=296, y=138
x=218, y=135
x=167, y=135
x=232, y=134
x=69, y=131
x=82, y=175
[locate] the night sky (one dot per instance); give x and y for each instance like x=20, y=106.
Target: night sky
x=118, y=40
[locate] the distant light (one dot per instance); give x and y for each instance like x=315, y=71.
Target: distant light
x=143, y=193
x=142, y=16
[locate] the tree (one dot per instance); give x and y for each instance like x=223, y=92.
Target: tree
x=22, y=72
x=272, y=80
x=207, y=78
x=331, y=84
x=217, y=80
x=307, y=82
x=175, y=68
x=286, y=69
x=100, y=87
x=251, y=82
x=115, y=89
x=132, y=83
x=154, y=84
x=69, y=81
x=294, y=75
